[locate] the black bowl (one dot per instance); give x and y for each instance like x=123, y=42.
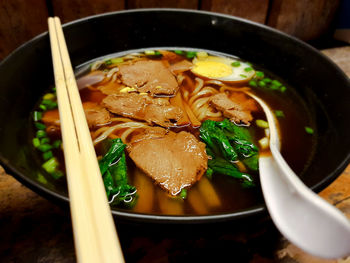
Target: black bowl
x=27, y=73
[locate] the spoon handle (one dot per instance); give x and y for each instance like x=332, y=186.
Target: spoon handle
x=303, y=217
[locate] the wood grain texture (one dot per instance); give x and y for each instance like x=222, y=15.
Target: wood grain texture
x=68, y=10
x=189, y=4
x=304, y=19
x=255, y=10
x=20, y=21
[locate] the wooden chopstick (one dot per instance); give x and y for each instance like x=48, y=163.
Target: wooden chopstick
x=93, y=226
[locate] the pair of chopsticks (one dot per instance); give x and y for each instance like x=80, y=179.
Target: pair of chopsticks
x=95, y=235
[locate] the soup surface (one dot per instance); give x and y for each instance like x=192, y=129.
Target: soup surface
x=175, y=132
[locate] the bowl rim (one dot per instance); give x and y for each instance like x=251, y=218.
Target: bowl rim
x=178, y=219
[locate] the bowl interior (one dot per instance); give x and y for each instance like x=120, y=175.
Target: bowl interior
x=27, y=73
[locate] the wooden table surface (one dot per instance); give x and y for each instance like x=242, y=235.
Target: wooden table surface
x=33, y=229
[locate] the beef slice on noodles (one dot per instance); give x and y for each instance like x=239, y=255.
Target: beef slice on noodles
x=143, y=107
x=96, y=115
x=173, y=160
x=237, y=108
x=148, y=76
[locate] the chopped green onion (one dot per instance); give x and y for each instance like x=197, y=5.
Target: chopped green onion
x=49, y=96
x=47, y=155
x=191, y=54
x=236, y=64
x=267, y=80
x=43, y=107
x=273, y=87
x=37, y=115
x=279, y=113
x=248, y=69
x=116, y=60
x=44, y=140
x=259, y=74
x=262, y=84
x=249, y=64
x=183, y=193
x=50, y=165
x=276, y=83
x=242, y=75
x=41, y=134
x=49, y=104
x=56, y=144
x=157, y=53
x=253, y=83
x=179, y=52
x=283, y=89
x=44, y=147
x=262, y=124
x=150, y=52
x=36, y=142
x=57, y=174
x=40, y=126
x=309, y=130
x=108, y=62
x=209, y=173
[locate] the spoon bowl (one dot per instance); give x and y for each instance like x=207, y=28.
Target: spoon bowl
x=302, y=216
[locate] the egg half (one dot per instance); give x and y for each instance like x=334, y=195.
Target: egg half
x=223, y=69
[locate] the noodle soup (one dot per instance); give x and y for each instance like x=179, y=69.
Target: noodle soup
x=174, y=131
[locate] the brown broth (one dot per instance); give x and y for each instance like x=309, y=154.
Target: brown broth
x=222, y=194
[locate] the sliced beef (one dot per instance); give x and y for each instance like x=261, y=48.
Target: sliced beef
x=148, y=76
x=237, y=108
x=143, y=107
x=172, y=160
x=96, y=115
x=180, y=67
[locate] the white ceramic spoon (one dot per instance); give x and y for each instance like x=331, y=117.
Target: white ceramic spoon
x=303, y=217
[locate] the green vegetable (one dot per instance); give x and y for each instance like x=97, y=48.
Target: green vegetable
x=114, y=171
x=276, y=83
x=253, y=83
x=49, y=104
x=50, y=165
x=279, y=114
x=243, y=76
x=39, y=125
x=236, y=64
x=44, y=140
x=262, y=83
x=209, y=173
x=226, y=143
x=179, y=52
x=262, y=124
x=283, y=89
x=56, y=144
x=259, y=74
x=267, y=80
x=47, y=155
x=248, y=69
x=49, y=96
x=221, y=166
x=309, y=130
x=36, y=142
x=44, y=147
x=41, y=134
x=191, y=54
x=216, y=140
x=37, y=115
x=183, y=193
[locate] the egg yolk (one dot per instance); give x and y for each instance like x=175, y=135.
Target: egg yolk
x=212, y=69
